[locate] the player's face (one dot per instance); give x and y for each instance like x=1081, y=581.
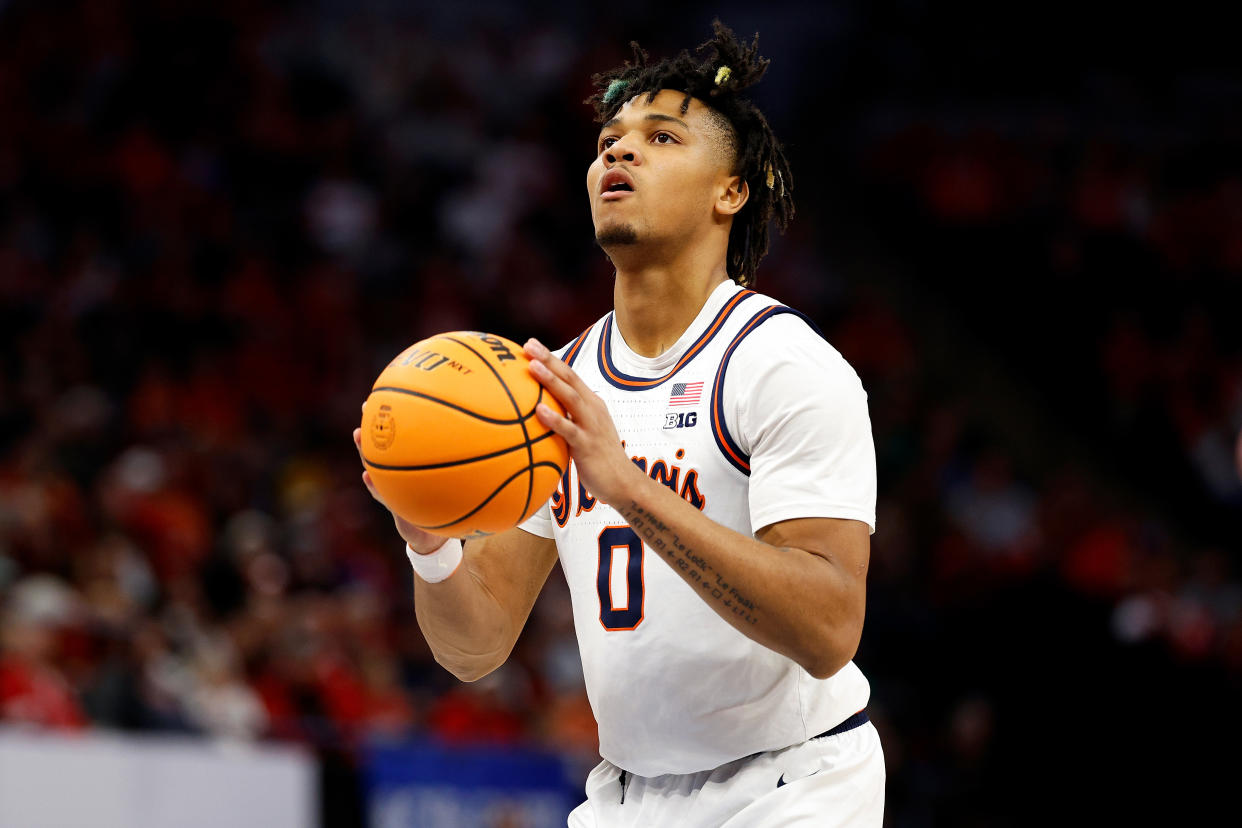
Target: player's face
x=658, y=173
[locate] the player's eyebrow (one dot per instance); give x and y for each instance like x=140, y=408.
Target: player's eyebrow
x=651, y=116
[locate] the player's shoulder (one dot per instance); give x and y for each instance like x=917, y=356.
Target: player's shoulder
x=778, y=334
x=783, y=371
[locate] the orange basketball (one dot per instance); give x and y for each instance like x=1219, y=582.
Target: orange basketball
x=450, y=437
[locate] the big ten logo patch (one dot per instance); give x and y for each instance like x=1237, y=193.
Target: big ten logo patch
x=681, y=419
x=383, y=428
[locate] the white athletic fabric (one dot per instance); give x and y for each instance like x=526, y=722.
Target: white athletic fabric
x=682, y=691
x=834, y=782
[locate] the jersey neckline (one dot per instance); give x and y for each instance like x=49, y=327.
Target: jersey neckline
x=613, y=352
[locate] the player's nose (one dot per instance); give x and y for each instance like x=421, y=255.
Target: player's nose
x=625, y=148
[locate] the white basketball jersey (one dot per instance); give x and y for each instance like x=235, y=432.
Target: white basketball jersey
x=675, y=688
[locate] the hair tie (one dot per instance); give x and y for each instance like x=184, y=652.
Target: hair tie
x=722, y=75
x=774, y=176
x=615, y=89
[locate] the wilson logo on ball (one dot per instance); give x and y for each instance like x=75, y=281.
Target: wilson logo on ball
x=502, y=348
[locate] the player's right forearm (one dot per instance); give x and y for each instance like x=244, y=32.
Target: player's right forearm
x=468, y=630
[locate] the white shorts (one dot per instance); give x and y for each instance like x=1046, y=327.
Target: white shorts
x=828, y=781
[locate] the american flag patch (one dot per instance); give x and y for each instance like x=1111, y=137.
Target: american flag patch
x=686, y=393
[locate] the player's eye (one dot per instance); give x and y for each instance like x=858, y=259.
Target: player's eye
x=660, y=137
x=606, y=142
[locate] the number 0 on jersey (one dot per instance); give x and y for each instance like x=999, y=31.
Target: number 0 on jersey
x=619, y=546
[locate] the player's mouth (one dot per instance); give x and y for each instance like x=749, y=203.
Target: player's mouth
x=616, y=184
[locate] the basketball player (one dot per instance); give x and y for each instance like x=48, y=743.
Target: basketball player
x=714, y=526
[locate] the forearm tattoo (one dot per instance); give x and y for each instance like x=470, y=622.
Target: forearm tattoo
x=694, y=568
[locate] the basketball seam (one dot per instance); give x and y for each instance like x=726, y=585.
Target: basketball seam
x=455, y=407
x=451, y=463
x=528, y=470
x=530, y=454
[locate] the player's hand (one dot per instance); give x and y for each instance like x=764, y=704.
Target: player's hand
x=593, y=441
x=420, y=541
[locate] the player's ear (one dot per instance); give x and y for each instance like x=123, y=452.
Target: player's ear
x=733, y=197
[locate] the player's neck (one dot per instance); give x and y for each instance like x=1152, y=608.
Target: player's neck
x=656, y=304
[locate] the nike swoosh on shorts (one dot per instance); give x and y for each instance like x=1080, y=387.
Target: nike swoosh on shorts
x=780, y=782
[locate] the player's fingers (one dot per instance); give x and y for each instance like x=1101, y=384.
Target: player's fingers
x=535, y=349
x=538, y=351
x=563, y=391
x=563, y=426
x=556, y=367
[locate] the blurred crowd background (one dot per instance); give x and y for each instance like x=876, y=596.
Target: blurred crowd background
x=1021, y=225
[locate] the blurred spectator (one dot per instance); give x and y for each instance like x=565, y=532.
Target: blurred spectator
x=33, y=689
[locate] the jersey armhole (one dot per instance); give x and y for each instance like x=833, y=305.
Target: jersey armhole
x=725, y=441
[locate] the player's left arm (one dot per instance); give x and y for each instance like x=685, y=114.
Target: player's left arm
x=798, y=587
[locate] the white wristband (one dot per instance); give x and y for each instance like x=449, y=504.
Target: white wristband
x=434, y=567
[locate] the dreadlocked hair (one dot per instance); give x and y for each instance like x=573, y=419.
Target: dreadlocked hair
x=718, y=72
